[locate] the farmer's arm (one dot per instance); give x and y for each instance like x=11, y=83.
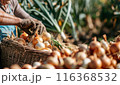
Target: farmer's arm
x=19, y=12
x=6, y=19
x=24, y=24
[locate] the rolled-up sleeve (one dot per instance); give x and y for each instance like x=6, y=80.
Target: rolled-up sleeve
x=19, y=12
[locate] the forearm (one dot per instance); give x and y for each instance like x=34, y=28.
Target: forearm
x=6, y=19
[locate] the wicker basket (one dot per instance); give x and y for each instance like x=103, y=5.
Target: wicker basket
x=14, y=53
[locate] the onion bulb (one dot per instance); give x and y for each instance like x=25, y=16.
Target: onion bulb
x=56, y=53
x=67, y=51
x=115, y=47
x=27, y=66
x=15, y=66
x=82, y=47
x=94, y=44
x=91, y=57
x=110, y=67
x=113, y=63
x=53, y=61
x=99, y=51
x=80, y=55
x=86, y=62
x=39, y=46
x=95, y=63
x=106, y=62
x=24, y=36
x=47, y=44
x=105, y=45
x=69, y=63
x=37, y=39
x=47, y=50
x=5, y=68
x=118, y=66
x=46, y=36
x=61, y=61
x=36, y=64
x=82, y=68
x=46, y=66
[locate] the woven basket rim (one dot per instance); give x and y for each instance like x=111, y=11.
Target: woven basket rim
x=13, y=42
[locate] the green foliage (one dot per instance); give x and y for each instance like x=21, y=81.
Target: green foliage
x=50, y=12
x=56, y=43
x=74, y=17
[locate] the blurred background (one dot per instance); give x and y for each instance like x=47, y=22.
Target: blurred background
x=77, y=21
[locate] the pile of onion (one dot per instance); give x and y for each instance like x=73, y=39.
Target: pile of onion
x=96, y=55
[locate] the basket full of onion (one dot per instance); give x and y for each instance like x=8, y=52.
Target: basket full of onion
x=25, y=50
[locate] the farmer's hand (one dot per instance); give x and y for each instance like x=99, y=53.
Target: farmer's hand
x=28, y=25
x=40, y=26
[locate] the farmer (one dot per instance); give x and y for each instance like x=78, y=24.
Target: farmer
x=12, y=15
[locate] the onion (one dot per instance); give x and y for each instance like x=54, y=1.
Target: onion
x=56, y=53
x=95, y=63
x=46, y=36
x=61, y=61
x=63, y=56
x=67, y=51
x=37, y=39
x=5, y=68
x=99, y=51
x=24, y=36
x=47, y=50
x=39, y=46
x=113, y=63
x=94, y=44
x=36, y=64
x=53, y=61
x=27, y=66
x=106, y=62
x=82, y=68
x=118, y=66
x=91, y=57
x=69, y=63
x=80, y=55
x=79, y=63
x=47, y=44
x=105, y=45
x=46, y=66
x=82, y=47
x=15, y=66
x=110, y=67
x=40, y=39
x=86, y=62
x=115, y=47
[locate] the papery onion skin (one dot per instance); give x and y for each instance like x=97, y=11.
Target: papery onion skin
x=94, y=44
x=106, y=62
x=69, y=62
x=80, y=55
x=46, y=66
x=115, y=47
x=53, y=61
x=27, y=66
x=95, y=64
